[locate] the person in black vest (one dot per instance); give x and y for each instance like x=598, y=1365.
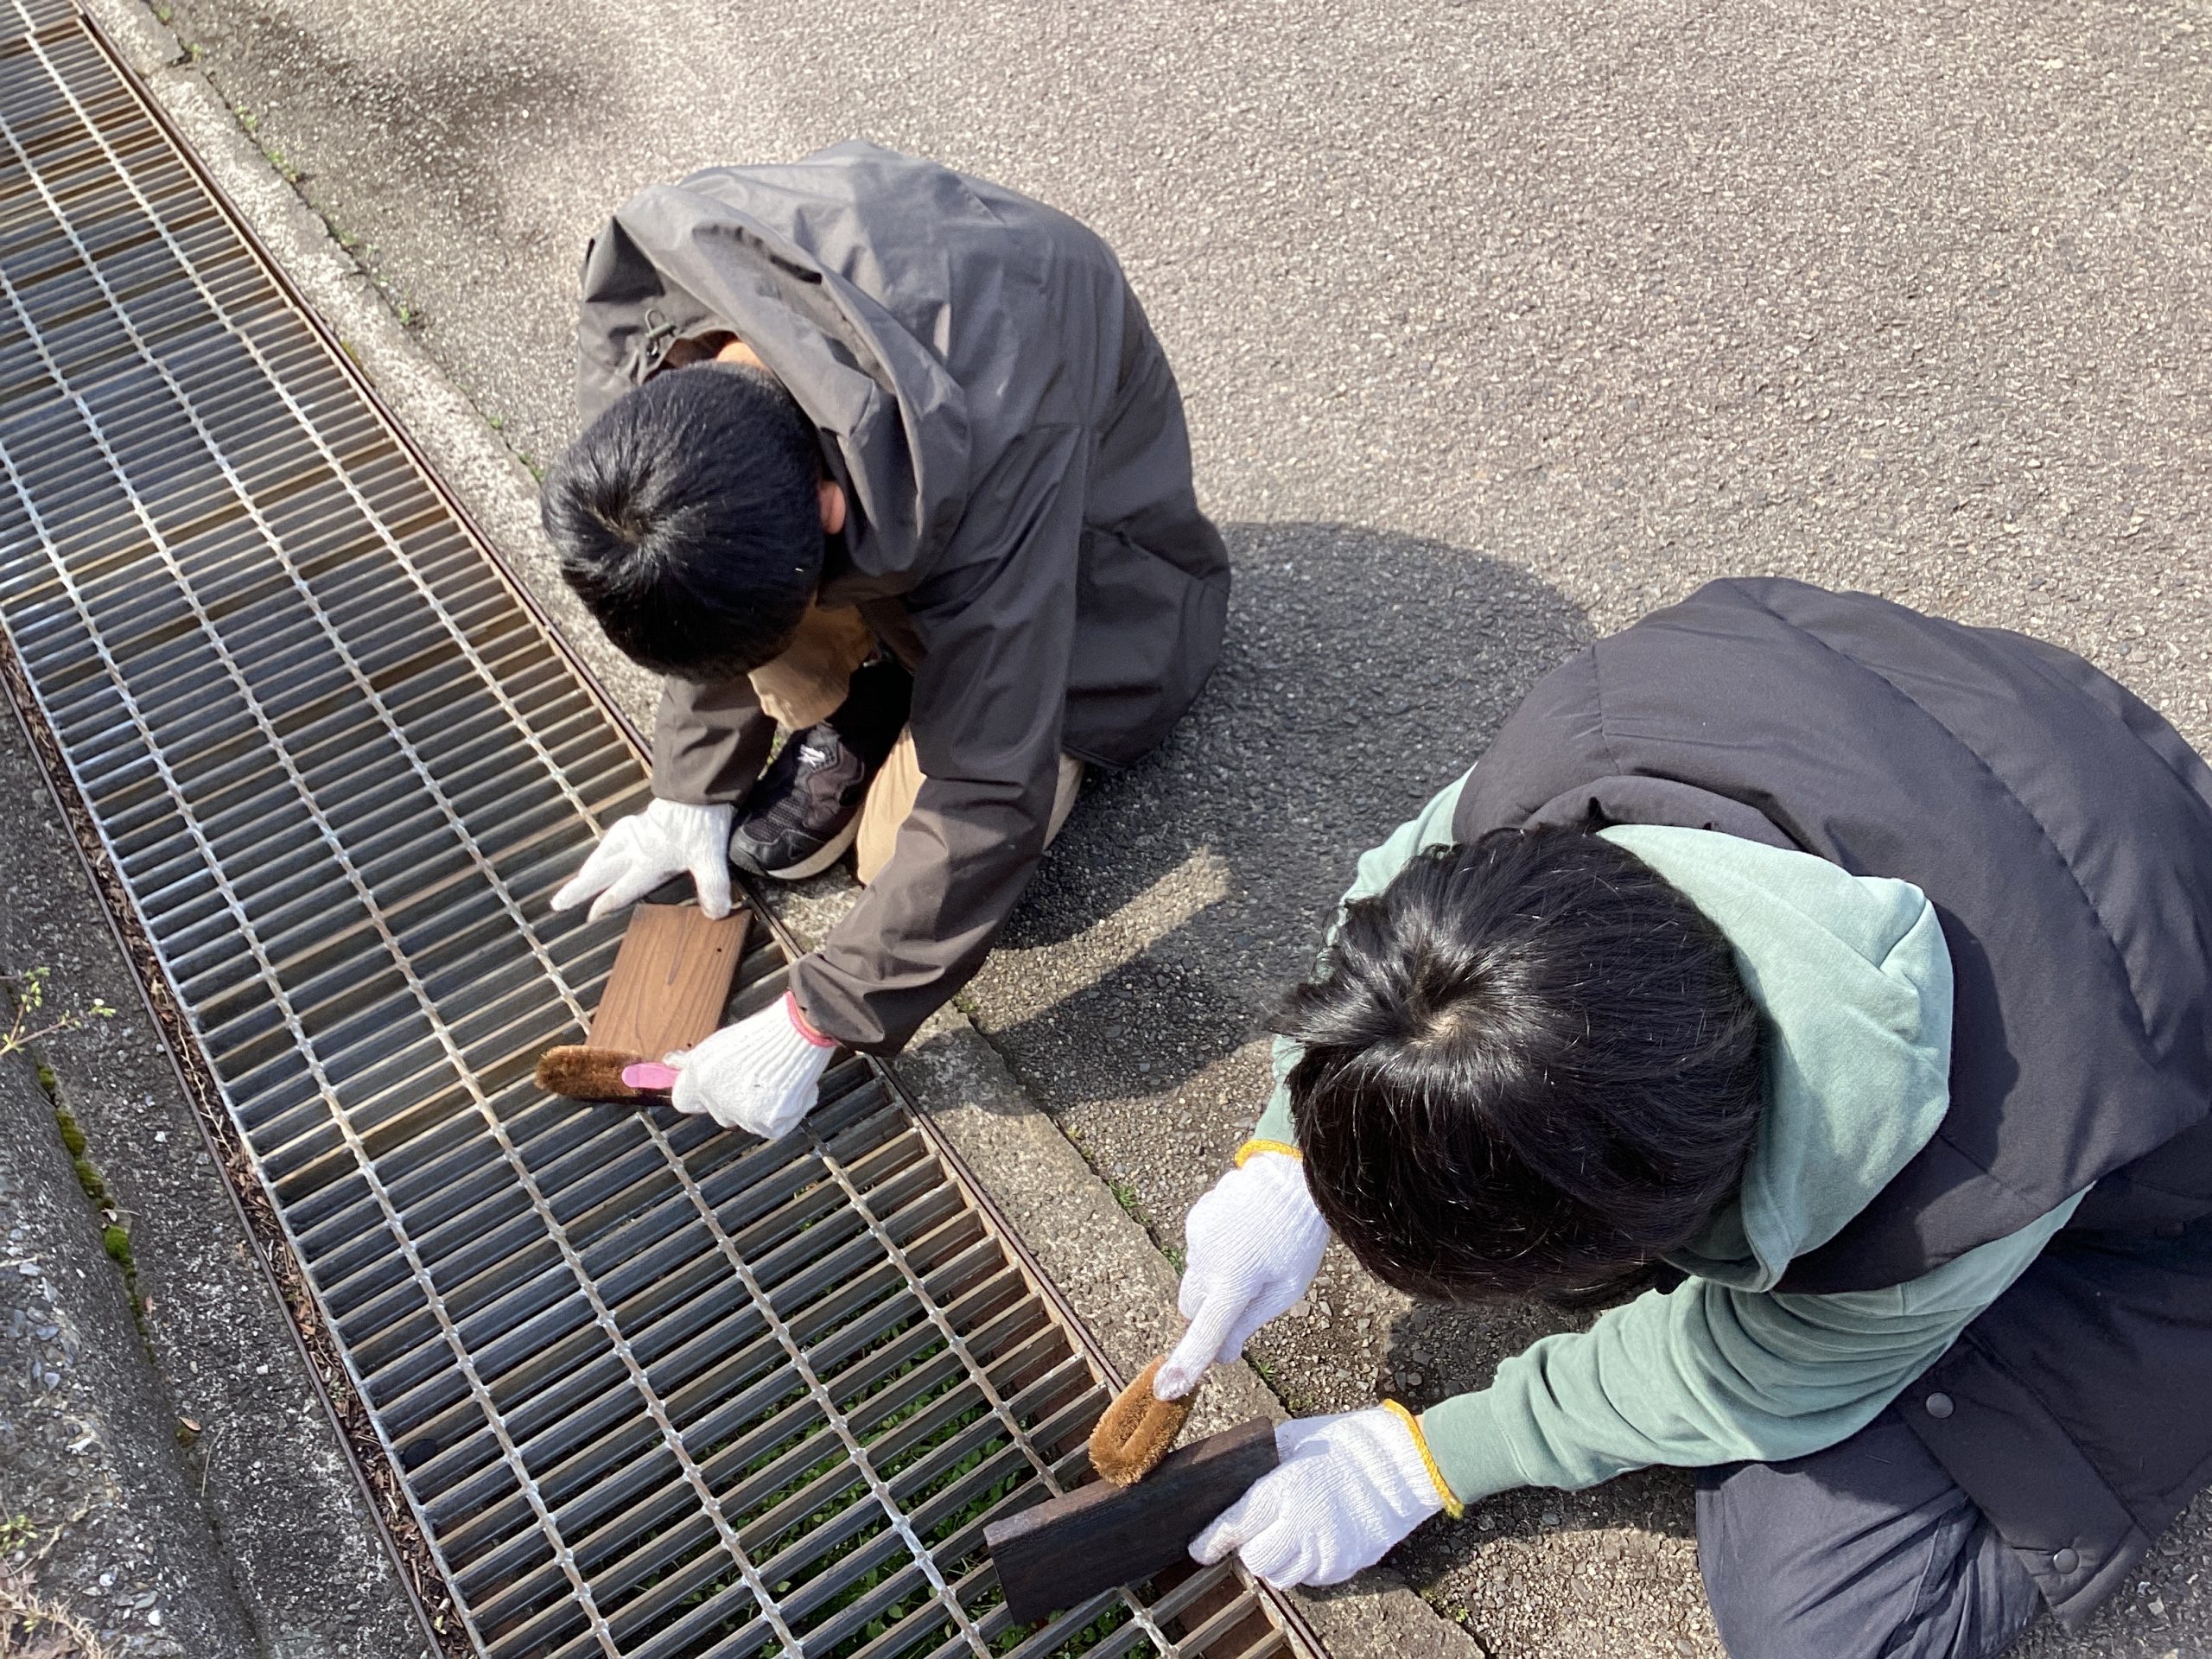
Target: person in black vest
x=1832, y=981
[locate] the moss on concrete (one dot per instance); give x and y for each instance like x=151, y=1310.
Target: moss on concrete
x=115, y=1233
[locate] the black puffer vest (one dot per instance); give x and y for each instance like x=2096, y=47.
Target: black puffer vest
x=2065, y=833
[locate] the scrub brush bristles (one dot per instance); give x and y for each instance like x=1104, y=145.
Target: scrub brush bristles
x=581, y=1073
x=1136, y=1431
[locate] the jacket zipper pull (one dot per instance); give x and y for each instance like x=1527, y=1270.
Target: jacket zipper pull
x=658, y=331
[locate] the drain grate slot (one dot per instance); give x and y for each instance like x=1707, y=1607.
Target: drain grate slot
x=645, y=1390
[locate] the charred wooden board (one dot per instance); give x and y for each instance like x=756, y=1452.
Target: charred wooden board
x=670, y=981
x=1065, y=1550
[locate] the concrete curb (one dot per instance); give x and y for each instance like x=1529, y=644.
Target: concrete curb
x=1101, y=1258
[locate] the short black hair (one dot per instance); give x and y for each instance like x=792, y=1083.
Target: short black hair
x=1531, y=1068
x=688, y=518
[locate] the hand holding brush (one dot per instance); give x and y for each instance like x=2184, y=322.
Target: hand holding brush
x=1255, y=1243
x=601, y=1074
x=759, y=1074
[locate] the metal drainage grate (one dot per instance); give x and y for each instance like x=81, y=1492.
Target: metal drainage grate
x=648, y=1390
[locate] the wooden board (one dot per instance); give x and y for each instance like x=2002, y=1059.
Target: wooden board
x=671, y=979
x=1065, y=1550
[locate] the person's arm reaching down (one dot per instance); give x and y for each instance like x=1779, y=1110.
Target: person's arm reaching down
x=988, y=697
x=1255, y=1239
x=1705, y=1375
x=709, y=743
x=710, y=739
x=1701, y=1375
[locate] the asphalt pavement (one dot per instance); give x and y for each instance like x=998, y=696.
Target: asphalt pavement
x=1498, y=325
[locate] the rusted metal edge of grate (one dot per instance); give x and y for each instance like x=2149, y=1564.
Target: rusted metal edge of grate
x=200, y=1082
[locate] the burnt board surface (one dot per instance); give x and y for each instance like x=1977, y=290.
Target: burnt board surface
x=1059, y=1553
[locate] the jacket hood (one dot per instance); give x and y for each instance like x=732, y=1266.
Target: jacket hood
x=1853, y=979
x=683, y=259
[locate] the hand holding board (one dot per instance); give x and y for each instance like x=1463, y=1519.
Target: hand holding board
x=1065, y=1550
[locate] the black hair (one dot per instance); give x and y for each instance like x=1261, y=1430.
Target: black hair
x=688, y=518
x=1531, y=1068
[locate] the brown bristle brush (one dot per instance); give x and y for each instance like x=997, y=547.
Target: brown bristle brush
x=1137, y=1430
x=581, y=1073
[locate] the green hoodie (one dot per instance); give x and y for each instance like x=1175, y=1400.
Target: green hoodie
x=1854, y=981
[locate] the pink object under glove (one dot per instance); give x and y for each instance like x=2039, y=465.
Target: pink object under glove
x=758, y=1074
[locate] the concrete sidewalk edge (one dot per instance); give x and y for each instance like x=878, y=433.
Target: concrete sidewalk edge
x=105, y=1523
x=202, y=1390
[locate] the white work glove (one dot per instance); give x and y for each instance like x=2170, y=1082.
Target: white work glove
x=1253, y=1244
x=758, y=1074
x=1348, y=1488
x=643, y=850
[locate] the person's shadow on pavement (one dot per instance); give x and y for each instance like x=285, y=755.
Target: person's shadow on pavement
x=1362, y=671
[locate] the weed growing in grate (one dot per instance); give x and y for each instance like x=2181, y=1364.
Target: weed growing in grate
x=912, y=1455
x=920, y=1598
x=820, y=1467
x=854, y=1399
x=736, y=1610
x=780, y=1448
x=928, y=1633
x=923, y=1444
x=927, y=1432
x=1090, y=1634
x=727, y=1581
x=989, y=1499
x=908, y=1604
x=907, y=1427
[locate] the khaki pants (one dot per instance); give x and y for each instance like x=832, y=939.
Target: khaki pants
x=891, y=797
x=803, y=687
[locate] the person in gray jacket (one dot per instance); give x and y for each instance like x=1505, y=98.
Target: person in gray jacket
x=889, y=455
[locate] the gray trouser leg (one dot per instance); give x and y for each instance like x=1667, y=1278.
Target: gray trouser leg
x=1868, y=1550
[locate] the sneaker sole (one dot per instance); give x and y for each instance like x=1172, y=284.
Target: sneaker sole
x=832, y=851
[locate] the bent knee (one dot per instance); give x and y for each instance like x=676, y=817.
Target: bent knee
x=1866, y=1551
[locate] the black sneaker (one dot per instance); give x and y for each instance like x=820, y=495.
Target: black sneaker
x=804, y=811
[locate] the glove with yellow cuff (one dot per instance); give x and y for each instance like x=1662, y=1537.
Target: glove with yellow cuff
x=1253, y=1242
x=1349, y=1488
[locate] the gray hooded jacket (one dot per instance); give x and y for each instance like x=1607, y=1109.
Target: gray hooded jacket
x=1021, y=528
